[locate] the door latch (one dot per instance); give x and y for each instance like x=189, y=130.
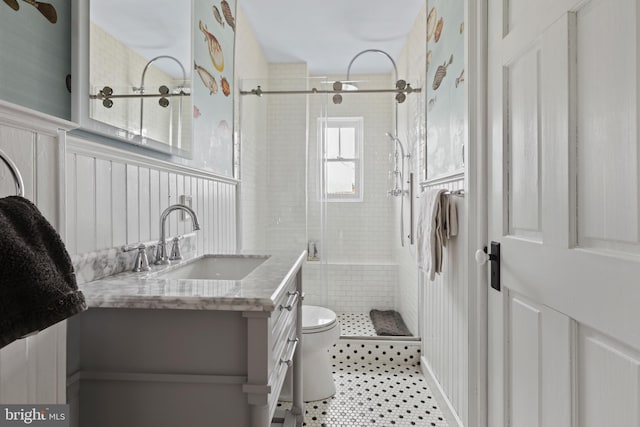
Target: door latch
x=482, y=256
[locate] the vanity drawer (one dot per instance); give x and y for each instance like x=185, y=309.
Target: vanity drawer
x=285, y=305
x=284, y=328
x=284, y=341
x=283, y=351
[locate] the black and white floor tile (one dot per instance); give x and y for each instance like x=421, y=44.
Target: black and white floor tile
x=387, y=352
x=376, y=389
x=356, y=325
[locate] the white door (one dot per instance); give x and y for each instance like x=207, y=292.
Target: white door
x=564, y=193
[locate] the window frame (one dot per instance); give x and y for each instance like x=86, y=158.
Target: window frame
x=356, y=123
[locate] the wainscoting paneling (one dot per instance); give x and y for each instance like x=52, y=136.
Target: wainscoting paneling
x=444, y=320
x=32, y=370
x=115, y=198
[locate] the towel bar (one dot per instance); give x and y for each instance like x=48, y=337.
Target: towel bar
x=459, y=193
x=14, y=172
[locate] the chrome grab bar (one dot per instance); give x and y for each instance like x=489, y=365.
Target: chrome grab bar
x=14, y=172
x=411, y=201
x=293, y=298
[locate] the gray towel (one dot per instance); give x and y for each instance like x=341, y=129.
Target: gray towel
x=430, y=232
x=437, y=224
x=37, y=283
x=449, y=218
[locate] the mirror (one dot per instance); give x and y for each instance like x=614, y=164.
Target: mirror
x=132, y=65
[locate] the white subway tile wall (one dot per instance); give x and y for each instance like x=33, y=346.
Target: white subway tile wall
x=251, y=125
x=352, y=287
x=286, y=158
x=274, y=208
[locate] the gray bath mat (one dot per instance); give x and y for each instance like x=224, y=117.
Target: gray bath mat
x=388, y=323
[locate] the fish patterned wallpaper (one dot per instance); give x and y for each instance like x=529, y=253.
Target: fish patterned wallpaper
x=35, y=55
x=445, y=94
x=212, y=87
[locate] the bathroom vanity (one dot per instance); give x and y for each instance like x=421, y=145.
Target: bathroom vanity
x=158, y=349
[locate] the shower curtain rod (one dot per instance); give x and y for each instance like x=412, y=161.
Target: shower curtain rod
x=142, y=95
x=259, y=92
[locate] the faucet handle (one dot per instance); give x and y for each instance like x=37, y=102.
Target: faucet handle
x=141, y=262
x=175, y=249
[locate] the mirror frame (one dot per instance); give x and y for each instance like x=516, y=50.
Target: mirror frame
x=80, y=87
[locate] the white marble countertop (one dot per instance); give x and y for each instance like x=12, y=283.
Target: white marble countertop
x=256, y=292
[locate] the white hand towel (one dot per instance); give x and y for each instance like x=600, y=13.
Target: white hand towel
x=429, y=232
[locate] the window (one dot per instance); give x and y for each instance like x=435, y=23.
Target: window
x=343, y=158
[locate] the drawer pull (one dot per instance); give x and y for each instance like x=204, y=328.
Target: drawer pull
x=291, y=302
x=288, y=360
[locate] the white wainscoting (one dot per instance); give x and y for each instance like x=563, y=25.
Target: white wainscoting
x=444, y=318
x=115, y=198
x=33, y=370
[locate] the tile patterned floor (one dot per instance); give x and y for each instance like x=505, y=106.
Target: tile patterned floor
x=376, y=385
x=388, y=352
x=356, y=325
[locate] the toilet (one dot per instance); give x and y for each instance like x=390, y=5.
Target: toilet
x=320, y=330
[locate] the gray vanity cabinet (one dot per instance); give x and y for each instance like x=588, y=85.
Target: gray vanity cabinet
x=162, y=367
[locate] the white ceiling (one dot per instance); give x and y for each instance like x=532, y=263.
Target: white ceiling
x=326, y=34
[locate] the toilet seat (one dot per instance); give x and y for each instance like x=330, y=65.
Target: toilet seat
x=317, y=319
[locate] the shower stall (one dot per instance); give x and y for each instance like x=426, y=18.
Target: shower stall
x=323, y=168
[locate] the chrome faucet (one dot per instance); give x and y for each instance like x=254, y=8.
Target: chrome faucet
x=161, y=251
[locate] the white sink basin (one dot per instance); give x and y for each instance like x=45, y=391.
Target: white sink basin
x=216, y=267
